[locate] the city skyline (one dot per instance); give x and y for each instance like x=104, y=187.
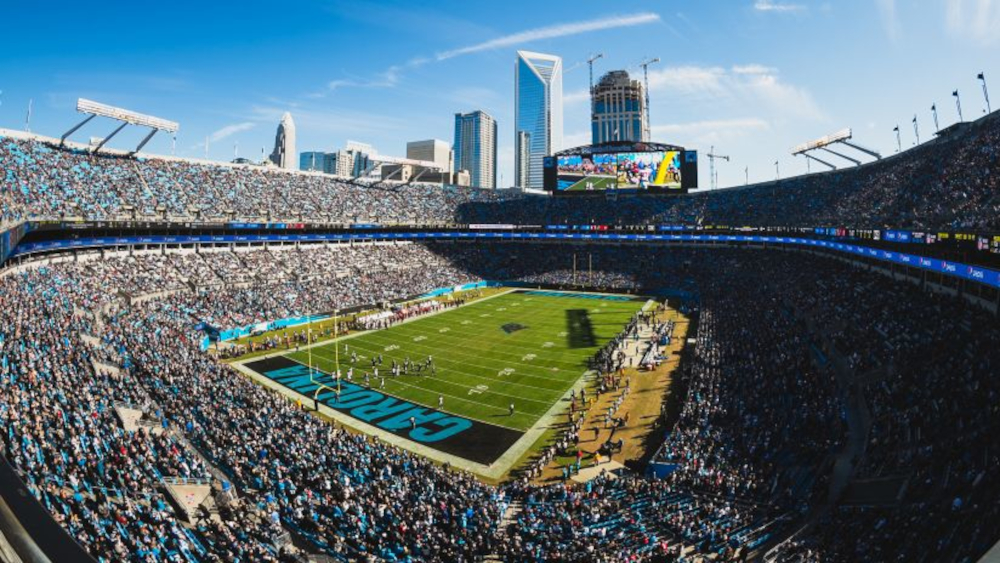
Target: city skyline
x=745, y=76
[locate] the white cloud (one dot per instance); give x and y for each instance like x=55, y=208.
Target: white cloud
x=975, y=19
x=741, y=83
x=552, y=32
x=700, y=126
x=230, y=130
x=688, y=80
x=769, y=6
x=887, y=8
x=754, y=69
x=782, y=97
x=703, y=133
x=390, y=77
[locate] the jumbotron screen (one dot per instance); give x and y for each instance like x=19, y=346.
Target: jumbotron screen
x=660, y=171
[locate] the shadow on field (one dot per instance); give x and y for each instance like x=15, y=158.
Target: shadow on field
x=580, y=331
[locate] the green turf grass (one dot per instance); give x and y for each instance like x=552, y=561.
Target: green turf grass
x=599, y=182
x=481, y=368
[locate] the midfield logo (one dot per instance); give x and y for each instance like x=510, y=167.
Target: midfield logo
x=511, y=328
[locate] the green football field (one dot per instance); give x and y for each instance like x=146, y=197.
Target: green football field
x=524, y=347
x=599, y=182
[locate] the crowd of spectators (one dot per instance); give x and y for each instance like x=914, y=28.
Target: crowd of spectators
x=950, y=182
x=42, y=180
x=752, y=449
x=764, y=418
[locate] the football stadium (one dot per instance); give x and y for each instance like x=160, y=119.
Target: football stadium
x=611, y=339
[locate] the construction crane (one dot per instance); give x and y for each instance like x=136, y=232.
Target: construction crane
x=645, y=78
x=711, y=165
x=590, y=63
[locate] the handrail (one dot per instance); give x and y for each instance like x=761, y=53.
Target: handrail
x=23, y=520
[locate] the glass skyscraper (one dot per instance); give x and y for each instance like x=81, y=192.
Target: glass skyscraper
x=476, y=147
x=538, y=112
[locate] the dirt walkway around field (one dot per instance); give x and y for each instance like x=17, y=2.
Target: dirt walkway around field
x=643, y=405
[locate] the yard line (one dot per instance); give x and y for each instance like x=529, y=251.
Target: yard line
x=434, y=392
x=484, y=377
x=445, y=353
x=615, y=327
x=477, y=404
x=429, y=343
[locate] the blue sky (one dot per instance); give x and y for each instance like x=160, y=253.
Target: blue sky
x=752, y=77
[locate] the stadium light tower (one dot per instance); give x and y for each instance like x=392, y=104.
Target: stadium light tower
x=934, y=112
x=777, y=171
x=126, y=117
x=645, y=79
x=958, y=104
x=916, y=129
x=899, y=142
x=986, y=93
x=842, y=137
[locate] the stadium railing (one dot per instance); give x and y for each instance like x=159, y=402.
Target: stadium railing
x=23, y=520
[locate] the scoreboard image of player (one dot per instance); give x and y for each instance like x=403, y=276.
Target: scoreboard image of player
x=641, y=167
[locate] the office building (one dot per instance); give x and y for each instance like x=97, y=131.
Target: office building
x=283, y=155
x=352, y=161
x=313, y=161
x=618, y=109
x=432, y=150
x=476, y=147
x=538, y=113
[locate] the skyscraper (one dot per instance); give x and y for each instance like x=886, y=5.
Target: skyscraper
x=618, y=109
x=521, y=159
x=314, y=161
x=538, y=113
x=284, y=143
x=476, y=147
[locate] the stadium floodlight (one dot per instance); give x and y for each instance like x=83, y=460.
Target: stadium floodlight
x=824, y=143
x=841, y=135
x=130, y=117
x=126, y=117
